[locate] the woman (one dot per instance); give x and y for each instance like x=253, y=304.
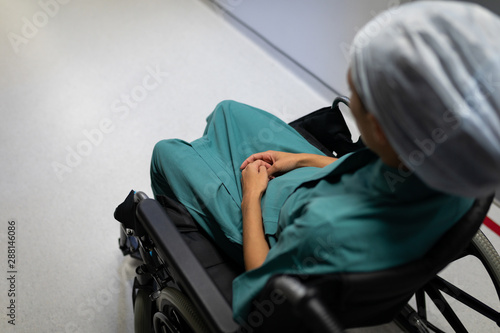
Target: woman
x=423, y=83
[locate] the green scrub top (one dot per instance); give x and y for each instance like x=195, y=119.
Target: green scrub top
x=356, y=214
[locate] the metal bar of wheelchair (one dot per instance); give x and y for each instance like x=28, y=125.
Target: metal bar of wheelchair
x=185, y=268
x=465, y=298
x=445, y=309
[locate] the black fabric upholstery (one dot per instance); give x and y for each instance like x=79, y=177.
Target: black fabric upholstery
x=125, y=214
x=327, y=130
x=221, y=269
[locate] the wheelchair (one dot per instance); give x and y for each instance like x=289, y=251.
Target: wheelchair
x=183, y=282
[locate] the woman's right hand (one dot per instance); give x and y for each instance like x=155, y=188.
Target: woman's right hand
x=279, y=162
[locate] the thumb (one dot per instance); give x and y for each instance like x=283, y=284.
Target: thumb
x=271, y=171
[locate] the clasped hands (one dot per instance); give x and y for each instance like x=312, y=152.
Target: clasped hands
x=256, y=172
x=259, y=168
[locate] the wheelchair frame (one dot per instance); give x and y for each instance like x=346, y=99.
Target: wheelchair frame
x=479, y=247
x=179, y=296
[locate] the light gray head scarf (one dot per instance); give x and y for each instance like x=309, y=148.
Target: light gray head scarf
x=430, y=74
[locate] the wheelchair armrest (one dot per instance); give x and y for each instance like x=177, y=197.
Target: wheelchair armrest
x=185, y=268
x=306, y=304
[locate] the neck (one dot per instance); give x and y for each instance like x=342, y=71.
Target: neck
x=390, y=157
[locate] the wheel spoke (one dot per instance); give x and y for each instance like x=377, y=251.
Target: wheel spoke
x=445, y=309
x=465, y=298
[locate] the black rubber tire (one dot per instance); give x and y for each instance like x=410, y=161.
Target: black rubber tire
x=172, y=298
x=143, y=318
x=491, y=259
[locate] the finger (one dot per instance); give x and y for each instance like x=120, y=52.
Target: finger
x=246, y=162
x=253, y=167
x=271, y=171
x=252, y=158
x=263, y=174
x=274, y=172
x=260, y=163
x=257, y=163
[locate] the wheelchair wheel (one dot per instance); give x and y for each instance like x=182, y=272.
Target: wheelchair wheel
x=142, y=312
x=489, y=257
x=458, y=301
x=176, y=314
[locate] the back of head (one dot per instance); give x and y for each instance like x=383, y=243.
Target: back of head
x=430, y=73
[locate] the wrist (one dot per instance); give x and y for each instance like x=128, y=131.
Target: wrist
x=250, y=197
x=303, y=160
x=313, y=160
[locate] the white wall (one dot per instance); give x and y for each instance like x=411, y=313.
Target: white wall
x=311, y=37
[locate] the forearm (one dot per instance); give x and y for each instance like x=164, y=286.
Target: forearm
x=255, y=247
x=313, y=160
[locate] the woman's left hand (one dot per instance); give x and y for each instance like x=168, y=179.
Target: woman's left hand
x=254, y=179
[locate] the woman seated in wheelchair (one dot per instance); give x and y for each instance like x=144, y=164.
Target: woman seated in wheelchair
x=424, y=81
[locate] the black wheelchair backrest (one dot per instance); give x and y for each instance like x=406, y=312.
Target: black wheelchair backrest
x=327, y=130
